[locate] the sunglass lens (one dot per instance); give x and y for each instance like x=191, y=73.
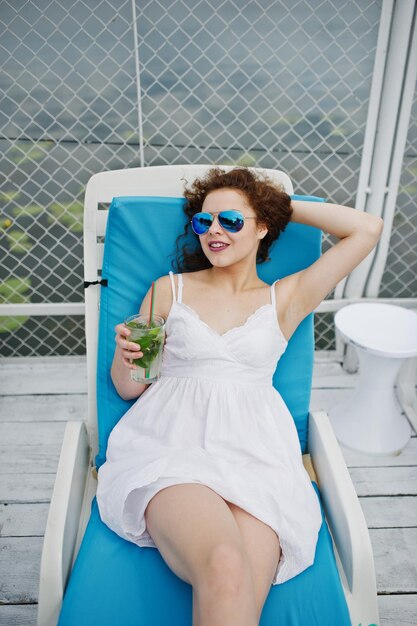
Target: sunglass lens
x=201, y=222
x=232, y=220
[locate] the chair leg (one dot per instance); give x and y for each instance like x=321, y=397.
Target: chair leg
x=406, y=390
x=350, y=361
x=347, y=353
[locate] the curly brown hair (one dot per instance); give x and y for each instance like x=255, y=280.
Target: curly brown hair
x=270, y=202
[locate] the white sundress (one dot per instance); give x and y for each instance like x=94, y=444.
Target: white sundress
x=214, y=417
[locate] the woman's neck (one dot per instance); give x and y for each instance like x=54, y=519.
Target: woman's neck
x=233, y=280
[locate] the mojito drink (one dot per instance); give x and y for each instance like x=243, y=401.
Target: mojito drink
x=151, y=341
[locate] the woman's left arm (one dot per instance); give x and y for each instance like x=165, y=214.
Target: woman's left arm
x=335, y=219
x=358, y=232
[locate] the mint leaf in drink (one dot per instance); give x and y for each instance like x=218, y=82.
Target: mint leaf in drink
x=150, y=343
x=135, y=325
x=145, y=341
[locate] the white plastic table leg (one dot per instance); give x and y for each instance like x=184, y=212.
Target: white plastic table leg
x=370, y=420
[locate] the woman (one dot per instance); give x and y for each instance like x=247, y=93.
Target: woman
x=206, y=465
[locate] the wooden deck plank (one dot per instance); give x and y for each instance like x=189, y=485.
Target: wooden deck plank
x=390, y=512
x=34, y=488
x=384, y=481
x=395, y=555
x=18, y=614
x=52, y=375
x=398, y=610
x=23, y=519
x=52, y=408
x=30, y=447
x=20, y=559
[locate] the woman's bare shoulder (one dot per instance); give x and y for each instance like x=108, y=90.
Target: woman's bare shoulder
x=164, y=280
x=163, y=297
x=164, y=286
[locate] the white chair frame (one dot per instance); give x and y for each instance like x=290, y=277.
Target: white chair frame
x=76, y=479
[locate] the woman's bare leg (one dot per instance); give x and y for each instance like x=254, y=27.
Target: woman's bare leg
x=198, y=537
x=263, y=549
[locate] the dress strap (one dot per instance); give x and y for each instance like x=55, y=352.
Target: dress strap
x=171, y=275
x=180, y=284
x=273, y=299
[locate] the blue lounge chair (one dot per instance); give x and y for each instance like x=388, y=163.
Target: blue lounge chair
x=90, y=575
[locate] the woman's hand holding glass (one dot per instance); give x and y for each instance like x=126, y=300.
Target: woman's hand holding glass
x=128, y=350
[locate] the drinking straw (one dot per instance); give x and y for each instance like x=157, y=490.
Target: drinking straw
x=152, y=304
x=150, y=320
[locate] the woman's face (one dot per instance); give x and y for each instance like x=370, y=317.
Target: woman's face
x=222, y=247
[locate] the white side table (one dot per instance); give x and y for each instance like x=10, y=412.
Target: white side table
x=370, y=420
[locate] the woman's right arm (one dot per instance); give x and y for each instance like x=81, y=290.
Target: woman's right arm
x=127, y=350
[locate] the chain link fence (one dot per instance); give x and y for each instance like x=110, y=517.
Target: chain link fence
x=267, y=83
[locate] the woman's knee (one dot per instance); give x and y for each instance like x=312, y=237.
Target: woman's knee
x=226, y=568
x=196, y=534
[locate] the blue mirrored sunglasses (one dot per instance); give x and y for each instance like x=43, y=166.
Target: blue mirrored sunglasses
x=231, y=221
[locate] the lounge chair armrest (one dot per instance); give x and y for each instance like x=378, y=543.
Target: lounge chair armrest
x=63, y=520
x=345, y=519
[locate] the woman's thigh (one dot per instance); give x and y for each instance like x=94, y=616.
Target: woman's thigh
x=187, y=522
x=262, y=546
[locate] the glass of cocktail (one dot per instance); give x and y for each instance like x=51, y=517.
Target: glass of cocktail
x=150, y=335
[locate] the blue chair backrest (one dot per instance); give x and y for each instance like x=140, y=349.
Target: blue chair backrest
x=140, y=247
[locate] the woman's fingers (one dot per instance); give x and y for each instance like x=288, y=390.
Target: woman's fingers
x=129, y=349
